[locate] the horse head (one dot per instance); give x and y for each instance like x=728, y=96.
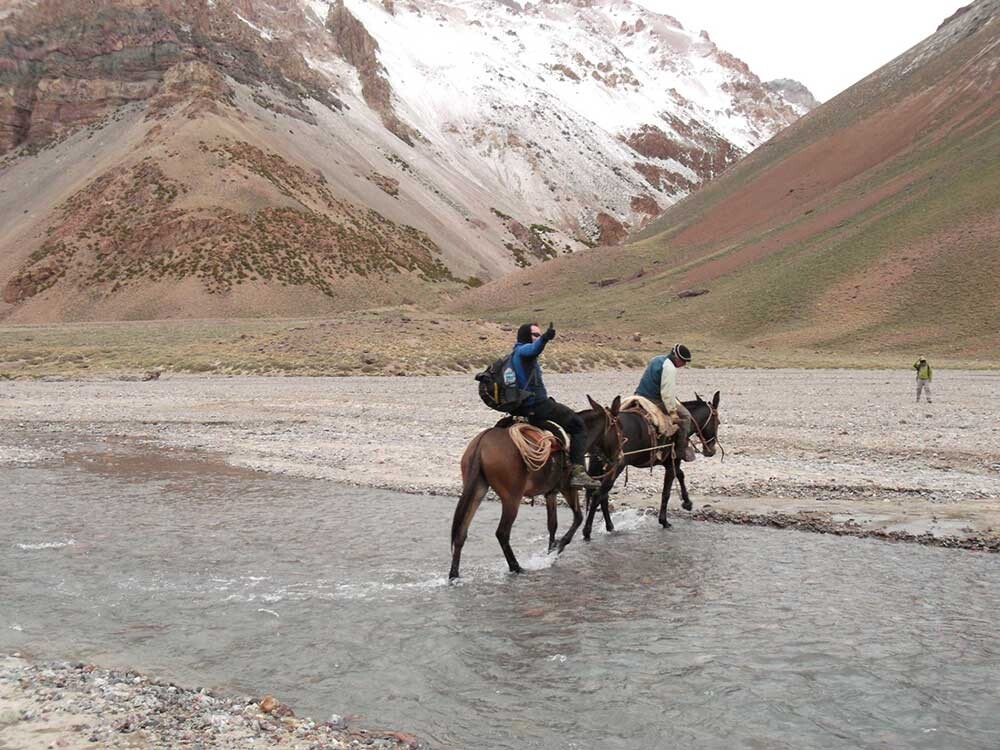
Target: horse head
x=705, y=419
x=604, y=433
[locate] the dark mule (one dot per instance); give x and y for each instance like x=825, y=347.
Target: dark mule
x=492, y=461
x=636, y=442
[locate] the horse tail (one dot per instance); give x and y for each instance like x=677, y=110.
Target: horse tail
x=471, y=477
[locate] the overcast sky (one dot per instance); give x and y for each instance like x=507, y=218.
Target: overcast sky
x=827, y=46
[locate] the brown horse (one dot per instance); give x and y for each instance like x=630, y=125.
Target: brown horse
x=492, y=460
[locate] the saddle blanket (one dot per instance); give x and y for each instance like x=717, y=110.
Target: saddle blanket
x=663, y=424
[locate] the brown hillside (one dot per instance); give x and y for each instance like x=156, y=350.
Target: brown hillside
x=153, y=170
x=201, y=217
x=870, y=224
x=295, y=157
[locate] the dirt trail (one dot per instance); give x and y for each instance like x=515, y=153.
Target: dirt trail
x=823, y=450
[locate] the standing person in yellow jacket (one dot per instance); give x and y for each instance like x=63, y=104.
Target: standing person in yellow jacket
x=924, y=375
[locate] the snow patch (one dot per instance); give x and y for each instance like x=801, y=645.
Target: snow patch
x=264, y=33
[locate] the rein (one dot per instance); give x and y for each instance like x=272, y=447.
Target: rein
x=712, y=412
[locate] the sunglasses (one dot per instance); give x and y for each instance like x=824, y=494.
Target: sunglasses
x=535, y=335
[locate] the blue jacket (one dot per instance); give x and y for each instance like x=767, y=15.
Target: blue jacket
x=649, y=385
x=528, y=371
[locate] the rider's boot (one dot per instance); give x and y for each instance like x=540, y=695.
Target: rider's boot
x=578, y=477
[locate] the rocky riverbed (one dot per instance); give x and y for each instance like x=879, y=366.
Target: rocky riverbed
x=832, y=447
x=77, y=705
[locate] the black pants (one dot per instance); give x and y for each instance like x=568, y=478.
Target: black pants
x=566, y=418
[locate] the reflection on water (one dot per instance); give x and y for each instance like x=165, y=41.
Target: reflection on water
x=337, y=600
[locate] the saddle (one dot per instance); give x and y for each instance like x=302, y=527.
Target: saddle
x=535, y=444
x=658, y=424
x=654, y=415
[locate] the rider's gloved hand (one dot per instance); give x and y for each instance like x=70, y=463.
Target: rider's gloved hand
x=550, y=333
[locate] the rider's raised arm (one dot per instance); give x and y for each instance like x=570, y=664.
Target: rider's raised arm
x=531, y=350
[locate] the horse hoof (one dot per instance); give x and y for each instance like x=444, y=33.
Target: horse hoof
x=609, y=528
x=665, y=523
x=687, y=505
x=586, y=537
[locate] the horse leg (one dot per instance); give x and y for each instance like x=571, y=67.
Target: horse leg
x=599, y=498
x=668, y=479
x=685, y=500
x=472, y=495
x=510, y=504
x=573, y=500
x=593, y=503
x=593, y=496
x=550, y=509
x=605, y=493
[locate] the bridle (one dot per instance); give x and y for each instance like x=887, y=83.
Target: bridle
x=620, y=440
x=713, y=413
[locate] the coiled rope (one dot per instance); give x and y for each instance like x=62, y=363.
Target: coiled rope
x=534, y=452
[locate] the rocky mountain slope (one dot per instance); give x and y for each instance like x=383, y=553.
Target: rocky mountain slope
x=795, y=93
x=232, y=157
x=870, y=225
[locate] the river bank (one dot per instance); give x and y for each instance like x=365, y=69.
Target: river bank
x=75, y=705
x=812, y=449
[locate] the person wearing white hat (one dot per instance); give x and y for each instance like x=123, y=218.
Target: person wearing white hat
x=659, y=385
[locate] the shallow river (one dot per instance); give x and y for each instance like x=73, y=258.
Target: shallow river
x=336, y=600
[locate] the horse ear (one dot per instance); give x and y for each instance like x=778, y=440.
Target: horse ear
x=593, y=404
x=698, y=396
x=616, y=405
x=715, y=400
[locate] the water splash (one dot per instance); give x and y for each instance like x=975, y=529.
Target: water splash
x=631, y=520
x=46, y=545
x=539, y=561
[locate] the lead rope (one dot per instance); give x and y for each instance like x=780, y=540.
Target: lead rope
x=698, y=428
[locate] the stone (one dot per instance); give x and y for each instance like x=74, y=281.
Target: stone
x=610, y=231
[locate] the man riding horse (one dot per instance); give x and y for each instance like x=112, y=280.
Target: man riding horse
x=659, y=385
x=539, y=407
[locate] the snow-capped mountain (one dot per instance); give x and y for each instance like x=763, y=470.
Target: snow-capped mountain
x=478, y=135
x=568, y=109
